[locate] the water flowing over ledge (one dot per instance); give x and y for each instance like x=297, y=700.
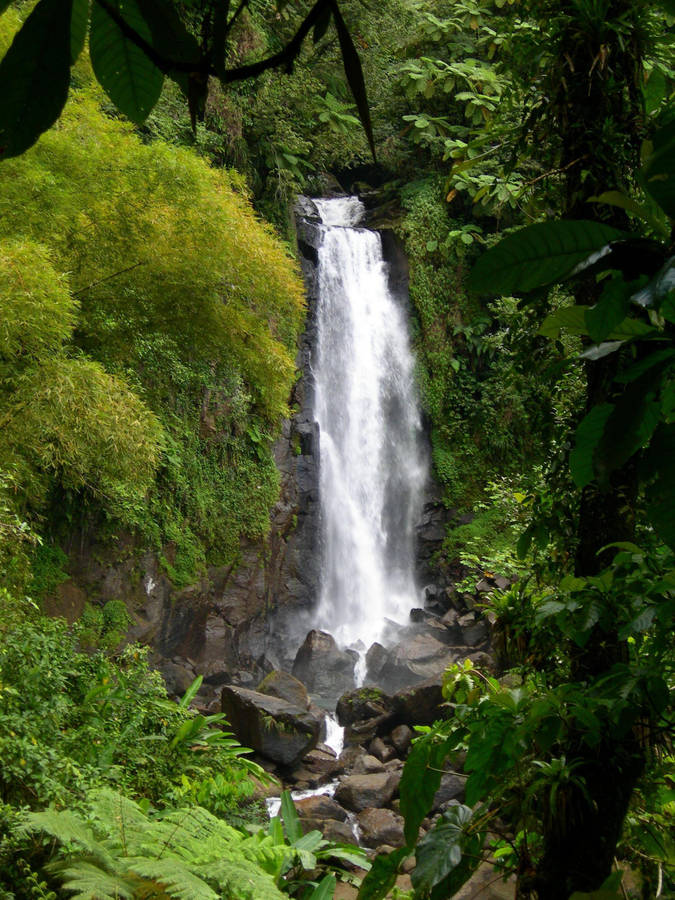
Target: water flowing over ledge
x=372, y=461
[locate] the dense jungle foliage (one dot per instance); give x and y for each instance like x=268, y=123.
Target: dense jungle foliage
x=141, y=389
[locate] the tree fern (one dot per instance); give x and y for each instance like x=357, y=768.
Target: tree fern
x=88, y=881
x=186, y=854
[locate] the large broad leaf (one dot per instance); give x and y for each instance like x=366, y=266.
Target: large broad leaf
x=382, y=876
x=630, y=424
x=128, y=76
x=571, y=318
x=168, y=35
x=290, y=817
x=442, y=852
x=658, y=173
x=609, y=311
x=324, y=889
x=79, y=21
x=420, y=780
x=35, y=76
x=588, y=436
x=354, y=73
x=659, y=465
x=539, y=255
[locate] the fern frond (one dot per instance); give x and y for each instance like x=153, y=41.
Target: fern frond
x=174, y=877
x=238, y=880
x=89, y=882
x=67, y=828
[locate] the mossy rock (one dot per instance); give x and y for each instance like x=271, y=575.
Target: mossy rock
x=362, y=704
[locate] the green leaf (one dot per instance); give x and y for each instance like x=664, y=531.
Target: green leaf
x=571, y=318
x=588, y=435
x=168, y=35
x=608, y=890
x=598, y=351
x=354, y=73
x=630, y=424
x=35, y=76
x=661, y=358
x=290, y=817
x=539, y=255
x=524, y=542
x=131, y=80
x=324, y=889
x=189, y=695
x=420, y=780
x=658, y=465
x=79, y=21
x=658, y=172
x=609, y=311
x=382, y=876
x=441, y=850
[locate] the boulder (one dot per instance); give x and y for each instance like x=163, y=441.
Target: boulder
x=278, y=730
x=323, y=667
x=420, y=704
x=321, y=762
x=332, y=830
x=367, y=765
x=177, y=677
x=401, y=738
x=347, y=759
x=285, y=687
x=380, y=826
x=380, y=750
x=485, y=884
x=358, y=792
x=414, y=660
x=451, y=788
x=320, y=807
x=375, y=660
x=362, y=703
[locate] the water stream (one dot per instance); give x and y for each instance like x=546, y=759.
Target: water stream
x=372, y=463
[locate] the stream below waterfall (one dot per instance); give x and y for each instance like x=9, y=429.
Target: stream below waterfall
x=373, y=464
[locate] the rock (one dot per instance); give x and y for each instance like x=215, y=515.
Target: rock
x=285, y=687
x=321, y=762
x=414, y=660
x=420, y=704
x=501, y=582
x=338, y=832
x=401, y=738
x=323, y=667
x=367, y=765
x=320, y=807
x=361, y=704
x=451, y=788
x=476, y=634
x=178, y=678
x=375, y=660
x=484, y=884
x=484, y=586
x=276, y=729
x=349, y=756
x=380, y=826
x=358, y=792
x=381, y=751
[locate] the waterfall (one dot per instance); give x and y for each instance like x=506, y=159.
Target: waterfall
x=372, y=462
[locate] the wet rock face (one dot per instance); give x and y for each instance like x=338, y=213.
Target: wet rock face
x=381, y=826
x=278, y=730
x=323, y=667
x=359, y=792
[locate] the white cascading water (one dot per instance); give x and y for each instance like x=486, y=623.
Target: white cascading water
x=372, y=461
